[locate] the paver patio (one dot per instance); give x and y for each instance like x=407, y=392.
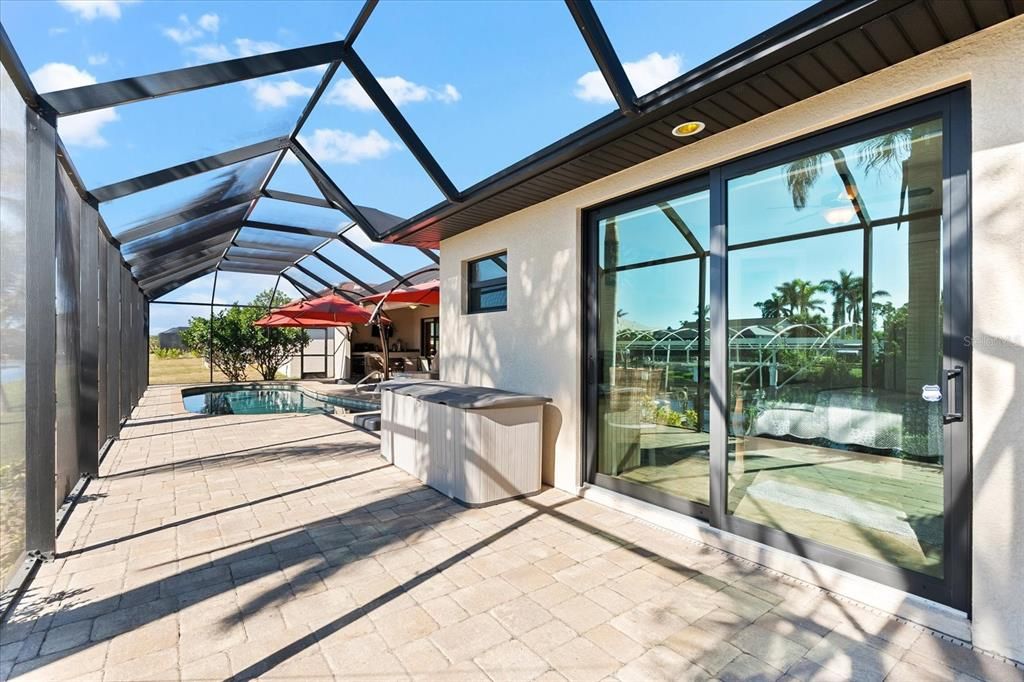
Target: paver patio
x=283, y=546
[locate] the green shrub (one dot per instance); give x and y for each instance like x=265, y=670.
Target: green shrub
x=237, y=343
x=651, y=411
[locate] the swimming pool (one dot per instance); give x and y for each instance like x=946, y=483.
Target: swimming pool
x=268, y=400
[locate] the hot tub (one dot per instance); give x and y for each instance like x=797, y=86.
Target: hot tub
x=474, y=444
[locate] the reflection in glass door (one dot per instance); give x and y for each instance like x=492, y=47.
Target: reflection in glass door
x=832, y=434
x=780, y=349
x=652, y=331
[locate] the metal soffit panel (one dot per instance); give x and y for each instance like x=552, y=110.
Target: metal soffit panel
x=822, y=47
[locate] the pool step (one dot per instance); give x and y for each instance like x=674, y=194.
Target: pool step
x=367, y=420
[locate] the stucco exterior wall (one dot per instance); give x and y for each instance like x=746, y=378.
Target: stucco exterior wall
x=535, y=345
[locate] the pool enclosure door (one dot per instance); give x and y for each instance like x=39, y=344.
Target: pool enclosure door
x=780, y=347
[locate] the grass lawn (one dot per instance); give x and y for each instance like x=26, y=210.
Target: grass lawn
x=189, y=370
x=184, y=370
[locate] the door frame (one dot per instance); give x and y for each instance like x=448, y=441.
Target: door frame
x=953, y=106
x=424, y=336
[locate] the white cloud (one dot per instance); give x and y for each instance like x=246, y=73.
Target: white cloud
x=183, y=34
x=94, y=9
x=646, y=74
x=83, y=130
x=209, y=23
x=402, y=91
x=98, y=59
x=329, y=145
x=247, y=47
x=186, y=31
x=211, y=52
x=274, y=95
x=449, y=94
x=243, y=47
x=57, y=30
x=348, y=93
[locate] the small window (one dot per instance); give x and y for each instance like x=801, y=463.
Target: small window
x=488, y=284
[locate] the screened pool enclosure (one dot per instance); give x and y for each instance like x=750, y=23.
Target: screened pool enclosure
x=83, y=264
x=262, y=211
x=89, y=257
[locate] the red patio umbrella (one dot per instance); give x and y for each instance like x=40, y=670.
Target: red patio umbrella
x=326, y=311
x=281, y=320
x=427, y=293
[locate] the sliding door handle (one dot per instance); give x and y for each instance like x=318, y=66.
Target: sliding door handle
x=956, y=375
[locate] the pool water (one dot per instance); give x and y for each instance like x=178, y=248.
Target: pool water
x=266, y=401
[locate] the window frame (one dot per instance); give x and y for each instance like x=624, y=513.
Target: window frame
x=486, y=285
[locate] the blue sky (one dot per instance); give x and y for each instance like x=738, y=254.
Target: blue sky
x=484, y=83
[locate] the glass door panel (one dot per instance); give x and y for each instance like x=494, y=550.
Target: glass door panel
x=835, y=425
x=652, y=421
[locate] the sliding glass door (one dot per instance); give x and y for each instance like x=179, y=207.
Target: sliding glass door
x=651, y=343
x=823, y=409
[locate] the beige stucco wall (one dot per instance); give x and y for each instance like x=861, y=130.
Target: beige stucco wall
x=534, y=346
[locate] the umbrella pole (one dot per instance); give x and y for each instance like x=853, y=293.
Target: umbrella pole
x=384, y=346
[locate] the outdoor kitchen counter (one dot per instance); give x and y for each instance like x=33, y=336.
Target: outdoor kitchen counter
x=476, y=445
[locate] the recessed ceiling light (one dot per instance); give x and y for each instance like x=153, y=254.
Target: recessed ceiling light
x=687, y=129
